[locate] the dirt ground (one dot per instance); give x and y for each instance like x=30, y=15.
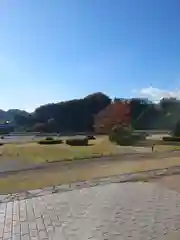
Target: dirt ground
x=67, y=172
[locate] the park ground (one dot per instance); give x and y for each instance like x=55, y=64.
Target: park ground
x=58, y=164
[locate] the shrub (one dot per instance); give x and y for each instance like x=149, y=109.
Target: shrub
x=121, y=135
x=171, y=139
x=176, y=131
x=39, y=127
x=139, y=136
x=77, y=141
x=54, y=141
x=125, y=136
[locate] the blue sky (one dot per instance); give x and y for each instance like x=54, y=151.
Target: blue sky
x=62, y=49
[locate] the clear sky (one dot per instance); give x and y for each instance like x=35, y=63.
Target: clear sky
x=53, y=50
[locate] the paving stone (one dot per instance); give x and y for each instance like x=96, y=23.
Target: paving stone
x=36, y=191
x=6, y=235
x=112, y=211
x=24, y=228
x=2, y=198
x=16, y=237
x=33, y=233
x=25, y=237
x=16, y=229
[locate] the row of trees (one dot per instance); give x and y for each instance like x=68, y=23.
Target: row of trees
x=78, y=115
x=71, y=116
x=148, y=115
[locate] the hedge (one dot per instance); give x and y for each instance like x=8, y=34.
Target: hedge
x=77, y=141
x=58, y=141
x=171, y=139
x=125, y=141
x=139, y=136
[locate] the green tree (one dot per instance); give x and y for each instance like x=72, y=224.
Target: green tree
x=121, y=135
x=39, y=127
x=176, y=131
x=72, y=116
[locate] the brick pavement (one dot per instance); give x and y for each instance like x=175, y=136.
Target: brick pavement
x=114, y=211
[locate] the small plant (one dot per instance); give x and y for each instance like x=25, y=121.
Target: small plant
x=77, y=141
x=50, y=142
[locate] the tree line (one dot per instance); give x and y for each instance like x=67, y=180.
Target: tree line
x=70, y=116
x=78, y=115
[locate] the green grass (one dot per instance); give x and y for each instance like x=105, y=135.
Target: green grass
x=37, y=153
x=34, y=152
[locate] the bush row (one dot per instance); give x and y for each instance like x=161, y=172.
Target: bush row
x=77, y=141
x=71, y=142
x=171, y=139
x=54, y=141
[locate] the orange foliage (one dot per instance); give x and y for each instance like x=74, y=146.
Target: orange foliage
x=116, y=113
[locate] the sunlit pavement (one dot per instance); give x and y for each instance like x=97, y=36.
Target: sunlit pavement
x=113, y=211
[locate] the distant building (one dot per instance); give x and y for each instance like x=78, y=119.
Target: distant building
x=119, y=112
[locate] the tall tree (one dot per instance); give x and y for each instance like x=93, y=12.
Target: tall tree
x=74, y=115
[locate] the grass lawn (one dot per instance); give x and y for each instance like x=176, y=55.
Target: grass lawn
x=33, y=152
x=37, y=153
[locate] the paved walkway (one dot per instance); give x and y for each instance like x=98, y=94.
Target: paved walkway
x=114, y=211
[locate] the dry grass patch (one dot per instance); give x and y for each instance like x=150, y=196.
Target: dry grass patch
x=87, y=171
x=34, y=152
